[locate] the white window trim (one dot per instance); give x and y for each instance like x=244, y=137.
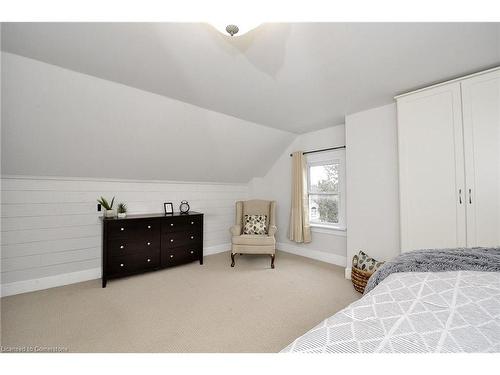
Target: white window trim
x=330, y=157
x=329, y=229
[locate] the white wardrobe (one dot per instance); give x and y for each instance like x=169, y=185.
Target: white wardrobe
x=449, y=163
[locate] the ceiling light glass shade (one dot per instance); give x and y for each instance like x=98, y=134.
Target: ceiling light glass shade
x=242, y=27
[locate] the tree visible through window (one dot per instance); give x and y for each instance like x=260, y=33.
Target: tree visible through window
x=324, y=193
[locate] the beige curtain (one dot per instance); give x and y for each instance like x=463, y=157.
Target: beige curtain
x=299, y=230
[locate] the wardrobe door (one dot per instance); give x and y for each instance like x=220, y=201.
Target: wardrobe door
x=431, y=167
x=481, y=117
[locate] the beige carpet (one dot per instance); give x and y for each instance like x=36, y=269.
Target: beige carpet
x=191, y=308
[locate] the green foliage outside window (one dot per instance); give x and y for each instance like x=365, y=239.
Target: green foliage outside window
x=328, y=205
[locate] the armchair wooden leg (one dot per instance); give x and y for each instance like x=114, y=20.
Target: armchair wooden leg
x=272, y=261
x=232, y=259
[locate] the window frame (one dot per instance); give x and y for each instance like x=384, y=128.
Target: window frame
x=323, y=158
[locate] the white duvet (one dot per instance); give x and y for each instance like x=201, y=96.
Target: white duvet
x=455, y=311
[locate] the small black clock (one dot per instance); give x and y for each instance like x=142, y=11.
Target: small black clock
x=184, y=207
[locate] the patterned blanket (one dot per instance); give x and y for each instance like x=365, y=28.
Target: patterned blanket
x=439, y=260
x=411, y=312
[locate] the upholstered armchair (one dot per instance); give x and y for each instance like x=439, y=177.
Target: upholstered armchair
x=264, y=243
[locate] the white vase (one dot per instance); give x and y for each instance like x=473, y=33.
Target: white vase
x=110, y=213
x=122, y=215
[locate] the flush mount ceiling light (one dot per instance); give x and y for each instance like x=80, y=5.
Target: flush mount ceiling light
x=235, y=29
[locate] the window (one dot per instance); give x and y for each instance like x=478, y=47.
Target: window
x=326, y=189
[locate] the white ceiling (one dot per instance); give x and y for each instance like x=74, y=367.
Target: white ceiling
x=295, y=77
x=57, y=122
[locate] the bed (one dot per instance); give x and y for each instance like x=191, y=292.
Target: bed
x=411, y=312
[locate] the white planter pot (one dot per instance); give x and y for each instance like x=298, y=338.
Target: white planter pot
x=109, y=213
x=122, y=215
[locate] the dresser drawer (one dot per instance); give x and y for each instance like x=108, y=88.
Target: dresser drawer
x=125, y=246
x=181, y=224
x=132, y=228
x=176, y=239
x=134, y=262
x=180, y=255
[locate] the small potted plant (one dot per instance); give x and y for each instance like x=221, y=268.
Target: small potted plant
x=122, y=211
x=108, y=207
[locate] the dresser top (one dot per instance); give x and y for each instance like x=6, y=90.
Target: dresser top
x=150, y=216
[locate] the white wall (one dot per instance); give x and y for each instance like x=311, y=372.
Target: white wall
x=51, y=123
x=276, y=185
x=1, y=111
x=51, y=232
x=372, y=183
x=57, y=122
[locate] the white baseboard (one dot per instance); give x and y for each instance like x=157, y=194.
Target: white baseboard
x=348, y=273
x=210, y=250
x=338, y=260
x=26, y=286
x=32, y=285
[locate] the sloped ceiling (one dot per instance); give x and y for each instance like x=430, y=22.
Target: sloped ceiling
x=295, y=77
x=56, y=122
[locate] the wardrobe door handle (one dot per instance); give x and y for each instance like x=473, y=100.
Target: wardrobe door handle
x=470, y=196
x=460, y=196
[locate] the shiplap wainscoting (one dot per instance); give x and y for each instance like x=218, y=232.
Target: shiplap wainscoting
x=51, y=232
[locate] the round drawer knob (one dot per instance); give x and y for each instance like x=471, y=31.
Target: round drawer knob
x=121, y=264
x=121, y=247
x=149, y=243
x=149, y=226
x=171, y=240
x=149, y=260
x=192, y=237
x=171, y=256
x=192, y=252
x=122, y=228
x=192, y=222
x=171, y=224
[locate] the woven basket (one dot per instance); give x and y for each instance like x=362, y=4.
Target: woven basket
x=359, y=278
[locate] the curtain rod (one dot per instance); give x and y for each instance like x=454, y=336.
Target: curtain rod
x=323, y=149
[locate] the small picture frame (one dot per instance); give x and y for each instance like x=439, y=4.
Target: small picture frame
x=168, y=207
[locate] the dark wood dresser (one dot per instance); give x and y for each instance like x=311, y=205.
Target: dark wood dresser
x=141, y=243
